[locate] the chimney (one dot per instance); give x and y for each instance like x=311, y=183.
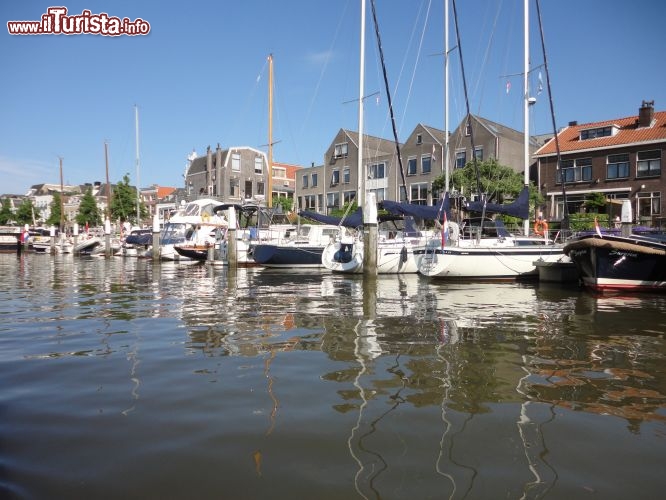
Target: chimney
x=573, y=124
x=646, y=114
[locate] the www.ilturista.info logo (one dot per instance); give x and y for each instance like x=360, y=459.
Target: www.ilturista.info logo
x=56, y=22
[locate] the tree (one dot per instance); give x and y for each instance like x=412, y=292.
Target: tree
x=88, y=211
x=594, y=202
x=6, y=214
x=497, y=181
x=123, y=202
x=25, y=211
x=54, y=218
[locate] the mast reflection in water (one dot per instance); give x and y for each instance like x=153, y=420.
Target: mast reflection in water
x=127, y=379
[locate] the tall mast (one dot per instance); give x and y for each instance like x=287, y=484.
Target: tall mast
x=526, y=95
x=270, y=131
x=361, y=86
x=108, y=187
x=138, y=182
x=446, y=95
x=62, y=202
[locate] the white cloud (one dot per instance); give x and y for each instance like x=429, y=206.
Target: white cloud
x=18, y=174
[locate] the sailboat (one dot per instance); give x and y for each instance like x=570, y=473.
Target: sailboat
x=398, y=238
x=480, y=248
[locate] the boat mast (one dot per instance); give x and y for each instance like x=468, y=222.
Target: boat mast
x=108, y=187
x=361, y=179
x=62, y=203
x=526, y=114
x=446, y=95
x=270, y=131
x=138, y=183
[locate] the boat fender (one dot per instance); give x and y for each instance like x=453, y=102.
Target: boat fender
x=403, y=255
x=540, y=227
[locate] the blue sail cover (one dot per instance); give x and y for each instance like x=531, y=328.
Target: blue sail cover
x=520, y=207
x=352, y=220
x=426, y=212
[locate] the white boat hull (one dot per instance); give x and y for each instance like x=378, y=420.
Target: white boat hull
x=510, y=262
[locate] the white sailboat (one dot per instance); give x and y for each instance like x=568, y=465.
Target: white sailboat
x=485, y=250
x=397, y=246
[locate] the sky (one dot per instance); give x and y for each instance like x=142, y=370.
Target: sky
x=200, y=78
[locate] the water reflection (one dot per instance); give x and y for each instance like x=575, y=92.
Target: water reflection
x=393, y=386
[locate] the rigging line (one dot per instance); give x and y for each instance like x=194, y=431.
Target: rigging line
x=471, y=129
x=418, y=55
x=388, y=96
x=565, y=210
x=487, y=54
x=327, y=60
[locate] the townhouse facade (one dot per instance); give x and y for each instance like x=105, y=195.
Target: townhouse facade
x=422, y=156
x=620, y=158
x=238, y=175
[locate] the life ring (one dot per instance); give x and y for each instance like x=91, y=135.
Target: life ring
x=540, y=227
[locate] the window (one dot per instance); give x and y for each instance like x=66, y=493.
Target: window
x=419, y=193
x=333, y=200
x=258, y=165
x=235, y=162
x=419, y=139
x=279, y=172
x=426, y=162
x=579, y=170
x=649, y=204
x=346, y=175
x=376, y=171
x=340, y=150
x=335, y=178
x=349, y=196
x=310, y=202
x=261, y=191
x=617, y=166
x=648, y=163
x=248, y=189
x=468, y=129
x=304, y=183
x=593, y=133
x=234, y=188
x=314, y=180
x=478, y=153
x=461, y=159
x=411, y=166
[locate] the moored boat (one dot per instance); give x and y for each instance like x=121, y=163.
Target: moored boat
x=620, y=263
x=300, y=248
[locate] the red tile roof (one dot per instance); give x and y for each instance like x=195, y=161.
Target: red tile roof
x=629, y=133
x=163, y=192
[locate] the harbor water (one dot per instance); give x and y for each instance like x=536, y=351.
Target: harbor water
x=128, y=379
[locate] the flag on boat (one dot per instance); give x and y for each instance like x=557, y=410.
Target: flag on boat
x=445, y=230
x=433, y=153
x=86, y=227
x=540, y=87
x=508, y=87
x=596, y=227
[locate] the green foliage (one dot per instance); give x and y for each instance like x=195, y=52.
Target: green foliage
x=284, y=202
x=88, y=211
x=6, y=214
x=348, y=208
x=594, y=202
x=24, y=212
x=498, y=181
x=585, y=222
x=123, y=202
x=54, y=218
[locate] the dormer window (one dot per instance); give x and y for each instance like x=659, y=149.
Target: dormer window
x=594, y=133
x=340, y=150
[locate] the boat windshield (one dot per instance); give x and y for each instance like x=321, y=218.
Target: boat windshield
x=173, y=232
